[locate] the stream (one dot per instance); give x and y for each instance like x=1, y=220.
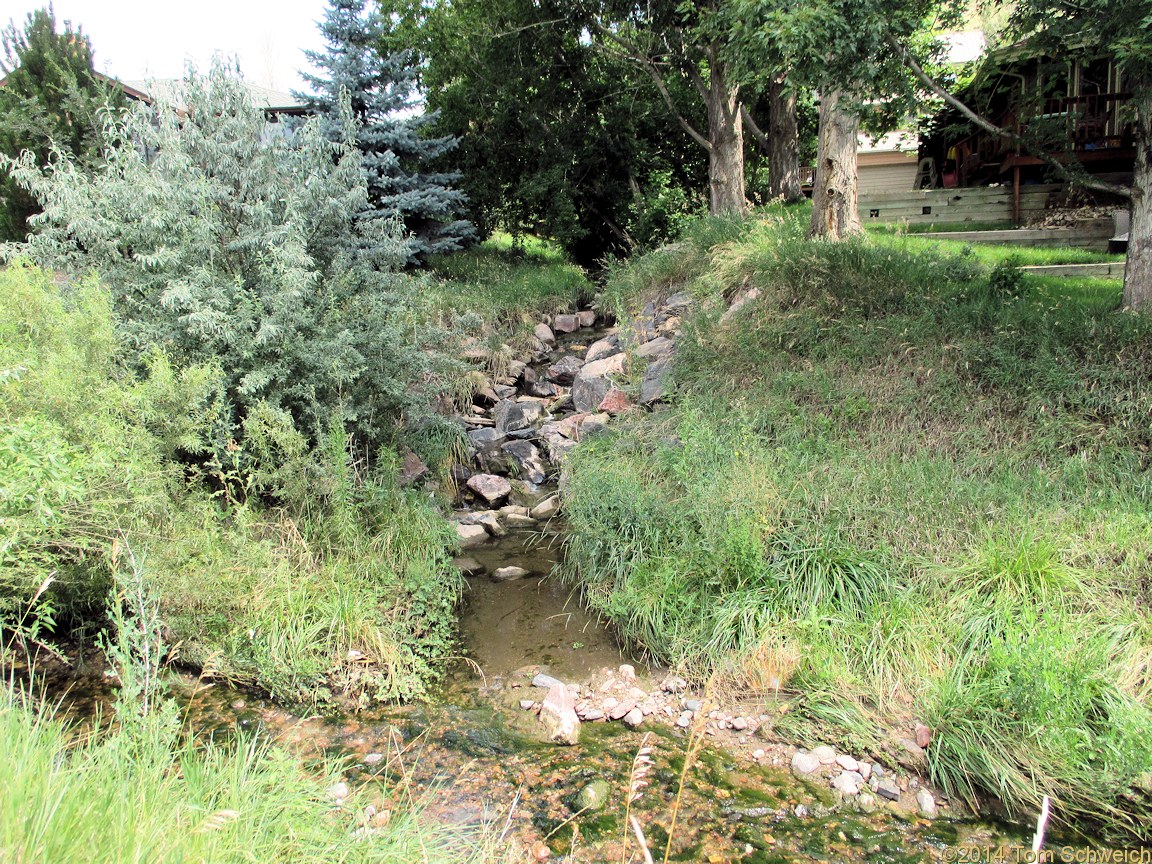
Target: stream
x=477, y=757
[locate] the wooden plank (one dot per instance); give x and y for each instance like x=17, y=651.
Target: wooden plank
x=1110, y=270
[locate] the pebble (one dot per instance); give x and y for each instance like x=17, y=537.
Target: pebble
x=628, y=673
x=684, y=720
x=739, y=724
x=593, y=714
x=757, y=755
x=546, y=681
x=373, y=758
x=527, y=704
x=673, y=684
x=865, y=769
x=338, y=791
x=692, y=705
x=801, y=811
x=926, y=803
x=634, y=718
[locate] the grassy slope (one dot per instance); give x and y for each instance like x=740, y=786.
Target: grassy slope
x=906, y=491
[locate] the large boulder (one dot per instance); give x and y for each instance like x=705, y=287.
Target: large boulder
x=586, y=317
x=527, y=457
x=513, y=416
x=491, y=488
x=558, y=714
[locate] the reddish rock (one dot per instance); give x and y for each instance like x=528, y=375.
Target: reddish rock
x=586, y=317
x=923, y=735
x=544, y=333
x=565, y=323
x=616, y=402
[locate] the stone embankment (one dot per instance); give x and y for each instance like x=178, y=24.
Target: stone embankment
x=529, y=413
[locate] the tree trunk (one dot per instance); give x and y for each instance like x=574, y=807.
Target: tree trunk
x=783, y=144
x=834, y=213
x=1138, y=270
x=726, y=144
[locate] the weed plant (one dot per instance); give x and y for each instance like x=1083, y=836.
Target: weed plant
x=901, y=486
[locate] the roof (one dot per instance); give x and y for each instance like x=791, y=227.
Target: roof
x=171, y=90
x=900, y=141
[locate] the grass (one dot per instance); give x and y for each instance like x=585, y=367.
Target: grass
x=505, y=278
x=991, y=254
x=905, y=487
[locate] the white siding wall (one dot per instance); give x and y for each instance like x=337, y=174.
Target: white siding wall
x=887, y=178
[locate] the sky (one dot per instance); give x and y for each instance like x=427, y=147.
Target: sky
x=134, y=39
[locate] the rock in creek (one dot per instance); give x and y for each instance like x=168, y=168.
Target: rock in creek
x=412, y=470
x=527, y=457
x=658, y=347
x=644, y=324
x=512, y=416
x=544, y=333
x=558, y=714
x=547, y=508
x=546, y=681
x=602, y=348
x=565, y=370
x=565, y=323
x=593, y=796
x=486, y=518
x=471, y=536
x=491, y=488
x=586, y=317
x=468, y=566
x=508, y=574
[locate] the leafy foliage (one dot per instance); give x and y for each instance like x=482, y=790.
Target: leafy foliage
x=50, y=96
x=557, y=139
x=379, y=82
x=230, y=247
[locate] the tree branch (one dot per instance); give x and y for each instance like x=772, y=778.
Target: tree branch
x=988, y=126
x=756, y=131
x=646, y=63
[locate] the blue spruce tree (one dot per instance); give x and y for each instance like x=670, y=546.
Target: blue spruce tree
x=381, y=89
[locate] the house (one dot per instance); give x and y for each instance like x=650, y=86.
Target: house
x=887, y=164
x=891, y=163
x=1073, y=110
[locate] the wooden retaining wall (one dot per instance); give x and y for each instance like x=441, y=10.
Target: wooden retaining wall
x=1091, y=234
x=976, y=204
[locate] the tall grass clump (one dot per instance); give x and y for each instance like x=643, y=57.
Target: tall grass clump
x=140, y=790
x=897, y=487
